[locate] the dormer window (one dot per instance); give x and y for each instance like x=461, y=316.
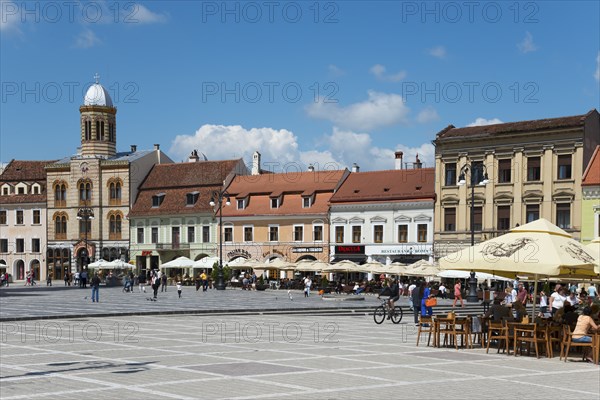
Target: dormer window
x=20, y=190
x=5, y=190
x=306, y=202
x=191, y=198
x=241, y=204
x=275, y=202
x=157, y=199
x=35, y=189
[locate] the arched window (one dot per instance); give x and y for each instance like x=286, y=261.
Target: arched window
x=88, y=129
x=115, y=220
x=85, y=192
x=60, y=194
x=115, y=186
x=60, y=226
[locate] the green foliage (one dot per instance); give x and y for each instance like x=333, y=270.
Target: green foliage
x=261, y=280
x=215, y=272
x=324, y=281
x=546, y=288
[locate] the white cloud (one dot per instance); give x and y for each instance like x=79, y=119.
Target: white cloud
x=428, y=114
x=527, y=45
x=438, y=51
x=142, y=15
x=483, y=121
x=334, y=70
x=378, y=71
x=380, y=109
x=87, y=39
x=280, y=149
x=597, y=74
x=426, y=153
x=10, y=16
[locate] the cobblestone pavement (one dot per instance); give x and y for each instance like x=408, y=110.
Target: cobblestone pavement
x=43, y=302
x=263, y=357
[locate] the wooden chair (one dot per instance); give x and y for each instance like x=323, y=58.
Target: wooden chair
x=426, y=326
x=529, y=333
x=462, y=327
x=447, y=327
x=497, y=331
x=568, y=343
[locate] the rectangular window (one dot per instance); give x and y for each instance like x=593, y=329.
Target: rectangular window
x=191, y=199
x=564, y=167
x=533, y=169
x=37, y=217
x=402, y=233
x=563, y=215
x=157, y=200
x=20, y=244
x=140, y=235
x=3, y=245
x=228, y=234
x=175, y=237
x=85, y=228
x=298, y=233
x=503, y=218
x=241, y=204
x=339, y=234
x=305, y=202
x=19, y=220
x=154, y=237
x=450, y=176
x=35, y=245
x=248, y=234
x=450, y=219
x=478, y=218
x=378, y=234
x=477, y=172
x=356, y=234
x=504, y=171
x=318, y=233
x=422, y=233
x=21, y=190
x=274, y=203
x=205, y=234
x=2, y=217
x=532, y=212
x=191, y=234
x=273, y=233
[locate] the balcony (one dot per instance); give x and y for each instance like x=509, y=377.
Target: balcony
x=172, y=246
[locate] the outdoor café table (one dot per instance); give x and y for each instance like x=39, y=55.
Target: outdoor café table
x=528, y=333
x=444, y=325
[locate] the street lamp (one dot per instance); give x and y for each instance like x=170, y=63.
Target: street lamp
x=85, y=214
x=475, y=171
x=217, y=198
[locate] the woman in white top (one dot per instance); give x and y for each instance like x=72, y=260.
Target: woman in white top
x=557, y=300
x=543, y=302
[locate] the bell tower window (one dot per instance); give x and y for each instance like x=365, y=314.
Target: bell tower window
x=88, y=129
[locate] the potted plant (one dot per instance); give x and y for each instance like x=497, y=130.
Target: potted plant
x=260, y=285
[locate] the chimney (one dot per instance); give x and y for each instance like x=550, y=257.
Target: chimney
x=194, y=156
x=311, y=168
x=418, y=163
x=256, y=163
x=156, y=146
x=157, y=149
x=355, y=167
x=133, y=148
x=398, y=156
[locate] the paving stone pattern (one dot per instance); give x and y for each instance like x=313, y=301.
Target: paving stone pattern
x=263, y=357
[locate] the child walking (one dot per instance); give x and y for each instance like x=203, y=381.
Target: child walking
x=179, y=289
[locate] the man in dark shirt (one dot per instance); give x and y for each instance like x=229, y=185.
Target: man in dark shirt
x=394, y=292
x=497, y=311
x=95, y=283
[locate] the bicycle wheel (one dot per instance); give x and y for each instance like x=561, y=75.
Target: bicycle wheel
x=397, y=316
x=379, y=315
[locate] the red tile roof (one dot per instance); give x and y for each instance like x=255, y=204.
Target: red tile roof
x=28, y=172
x=176, y=181
x=451, y=132
x=591, y=176
x=390, y=185
x=259, y=189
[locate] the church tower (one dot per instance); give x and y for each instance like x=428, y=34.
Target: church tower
x=98, y=123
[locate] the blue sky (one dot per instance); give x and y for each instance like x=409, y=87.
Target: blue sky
x=329, y=83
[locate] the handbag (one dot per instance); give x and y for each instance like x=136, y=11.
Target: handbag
x=431, y=302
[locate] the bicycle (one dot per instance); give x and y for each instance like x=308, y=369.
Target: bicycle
x=383, y=311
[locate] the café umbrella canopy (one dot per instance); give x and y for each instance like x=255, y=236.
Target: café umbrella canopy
x=206, y=262
x=311, y=266
x=101, y=264
x=179, y=262
x=119, y=264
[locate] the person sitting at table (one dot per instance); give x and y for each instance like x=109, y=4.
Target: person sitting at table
x=518, y=311
x=569, y=315
x=497, y=311
x=573, y=299
x=585, y=323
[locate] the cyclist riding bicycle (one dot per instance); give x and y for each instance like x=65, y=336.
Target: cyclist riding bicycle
x=394, y=292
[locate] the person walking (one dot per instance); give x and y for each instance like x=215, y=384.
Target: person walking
x=6, y=279
x=95, y=284
x=83, y=277
x=592, y=292
x=425, y=293
x=179, y=289
x=49, y=279
x=163, y=282
x=307, y=285
x=415, y=299
x=142, y=282
x=155, y=283
x=204, y=280
x=458, y=294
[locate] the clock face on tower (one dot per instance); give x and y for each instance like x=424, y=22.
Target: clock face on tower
x=84, y=167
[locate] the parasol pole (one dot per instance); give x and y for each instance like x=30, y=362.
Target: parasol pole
x=535, y=290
